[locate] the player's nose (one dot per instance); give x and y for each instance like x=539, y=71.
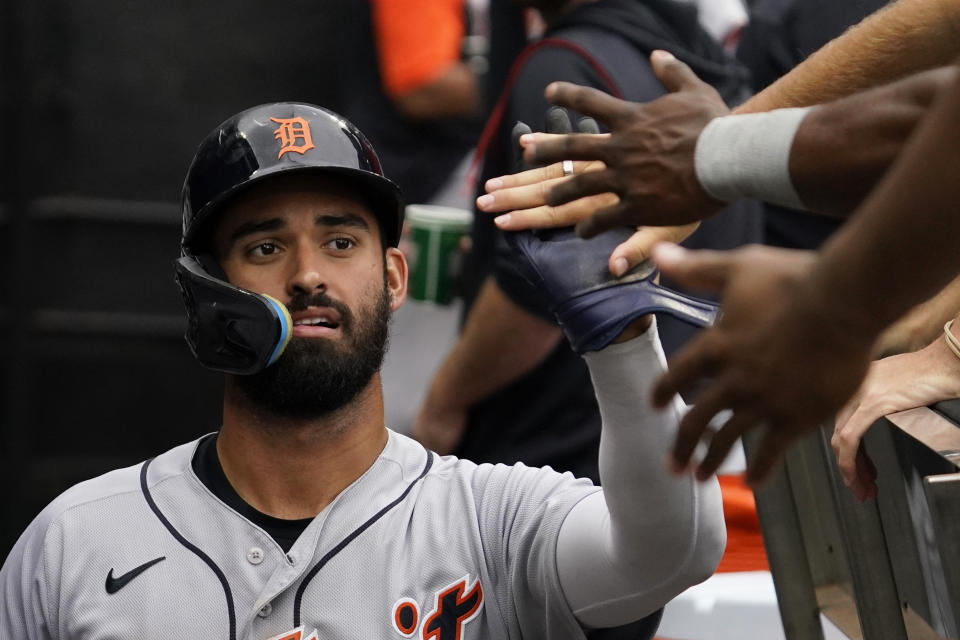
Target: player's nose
x=306, y=274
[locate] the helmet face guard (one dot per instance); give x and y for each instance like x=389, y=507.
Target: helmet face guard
x=228, y=328
x=231, y=329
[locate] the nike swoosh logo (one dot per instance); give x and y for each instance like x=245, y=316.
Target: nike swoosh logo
x=115, y=584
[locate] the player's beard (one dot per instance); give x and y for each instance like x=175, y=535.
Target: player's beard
x=315, y=376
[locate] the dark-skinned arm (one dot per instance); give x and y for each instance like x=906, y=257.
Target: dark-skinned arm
x=843, y=148
x=910, y=219
x=799, y=328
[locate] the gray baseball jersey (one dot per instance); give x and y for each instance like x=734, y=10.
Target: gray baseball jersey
x=419, y=546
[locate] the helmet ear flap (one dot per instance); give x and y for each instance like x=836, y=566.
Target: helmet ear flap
x=230, y=329
x=212, y=266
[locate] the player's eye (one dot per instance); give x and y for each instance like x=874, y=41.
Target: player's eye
x=341, y=244
x=264, y=249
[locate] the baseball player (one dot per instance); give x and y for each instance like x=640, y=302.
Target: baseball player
x=304, y=517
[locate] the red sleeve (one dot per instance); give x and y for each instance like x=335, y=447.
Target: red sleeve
x=416, y=40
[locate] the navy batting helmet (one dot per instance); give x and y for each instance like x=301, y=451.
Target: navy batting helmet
x=231, y=329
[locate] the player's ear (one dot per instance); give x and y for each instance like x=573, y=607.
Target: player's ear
x=396, y=274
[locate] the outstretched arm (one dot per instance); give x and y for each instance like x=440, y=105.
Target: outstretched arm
x=909, y=219
x=674, y=159
x=901, y=39
x=897, y=383
x=843, y=148
x=921, y=324
x=647, y=536
x=811, y=336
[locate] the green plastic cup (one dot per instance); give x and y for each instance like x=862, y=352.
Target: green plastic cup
x=434, y=250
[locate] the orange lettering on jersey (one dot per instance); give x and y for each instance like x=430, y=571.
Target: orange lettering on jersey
x=290, y=131
x=296, y=634
x=406, y=616
x=455, y=606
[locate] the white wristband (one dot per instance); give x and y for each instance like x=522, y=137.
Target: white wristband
x=748, y=156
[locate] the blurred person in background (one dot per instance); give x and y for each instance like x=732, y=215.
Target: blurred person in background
x=724, y=20
x=413, y=85
x=413, y=80
x=510, y=349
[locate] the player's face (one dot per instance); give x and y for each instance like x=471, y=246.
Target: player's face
x=317, y=249
x=298, y=237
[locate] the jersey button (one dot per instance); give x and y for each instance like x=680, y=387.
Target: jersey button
x=265, y=610
x=255, y=555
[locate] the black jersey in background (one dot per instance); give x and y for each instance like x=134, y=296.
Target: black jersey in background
x=780, y=35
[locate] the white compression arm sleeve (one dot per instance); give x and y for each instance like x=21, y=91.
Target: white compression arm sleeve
x=748, y=156
x=624, y=552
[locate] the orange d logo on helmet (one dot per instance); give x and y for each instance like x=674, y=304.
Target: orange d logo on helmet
x=289, y=132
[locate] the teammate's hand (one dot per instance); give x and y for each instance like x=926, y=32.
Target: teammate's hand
x=893, y=384
x=777, y=358
x=648, y=155
x=524, y=196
